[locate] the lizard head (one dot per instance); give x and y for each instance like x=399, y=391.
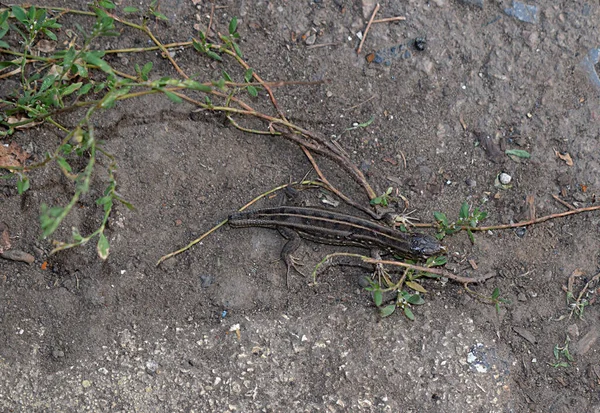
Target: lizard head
x=424, y=246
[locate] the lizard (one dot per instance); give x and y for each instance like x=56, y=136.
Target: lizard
x=334, y=228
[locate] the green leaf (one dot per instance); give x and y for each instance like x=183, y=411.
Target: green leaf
x=48, y=81
x=103, y=247
x=415, y=286
x=252, y=91
x=376, y=201
x=103, y=200
x=68, y=58
x=227, y=77
x=159, y=15
x=71, y=88
x=377, y=297
x=238, y=51
x=519, y=153
x=7, y=64
x=172, y=96
x=82, y=71
x=146, y=69
x=95, y=60
x=19, y=14
x=496, y=293
x=201, y=47
x=220, y=84
x=437, y=261
x=248, y=75
x=107, y=4
x=464, y=210
x=415, y=299
x=195, y=85
x=76, y=235
x=3, y=18
x=85, y=89
x=130, y=9
x=441, y=217
x=49, y=219
x=22, y=183
x=388, y=310
x=127, y=204
x=214, y=55
x=471, y=236
x=52, y=24
x=4, y=45
x=233, y=25
x=50, y=35
x=62, y=162
x=409, y=314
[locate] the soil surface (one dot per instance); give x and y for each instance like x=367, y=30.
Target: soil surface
x=216, y=328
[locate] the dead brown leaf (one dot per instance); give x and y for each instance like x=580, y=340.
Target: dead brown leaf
x=45, y=46
x=565, y=157
x=12, y=155
x=16, y=119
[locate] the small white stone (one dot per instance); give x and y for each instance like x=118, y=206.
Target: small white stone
x=504, y=178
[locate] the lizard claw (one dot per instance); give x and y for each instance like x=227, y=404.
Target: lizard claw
x=292, y=262
x=380, y=272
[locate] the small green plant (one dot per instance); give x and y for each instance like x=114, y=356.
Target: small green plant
x=467, y=220
x=79, y=77
x=497, y=300
x=562, y=356
x=408, y=290
x=383, y=199
x=588, y=294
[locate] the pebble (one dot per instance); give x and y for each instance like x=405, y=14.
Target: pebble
x=151, y=367
x=521, y=231
x=57, y=354
x=505, y=178
x=420, y=43
x=573, y=330
x=525, y=12
x=526, y=334
x=586, y=343
x=471, y=183
x=206, y=280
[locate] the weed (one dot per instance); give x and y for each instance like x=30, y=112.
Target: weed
x=467, y=220
x=383, y=199
x=407, y=289
x=79, y=77
x=577, y=302
x=562, y=356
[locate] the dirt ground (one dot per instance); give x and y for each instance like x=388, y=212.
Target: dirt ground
x=216, y=328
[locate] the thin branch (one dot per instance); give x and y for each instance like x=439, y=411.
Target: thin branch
x=367, y=29
x=437, y=271
x=390, y=19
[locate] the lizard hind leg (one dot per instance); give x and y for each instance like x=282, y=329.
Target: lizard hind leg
x=289, y=248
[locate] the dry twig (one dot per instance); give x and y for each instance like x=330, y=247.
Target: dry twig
x=367, y=29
